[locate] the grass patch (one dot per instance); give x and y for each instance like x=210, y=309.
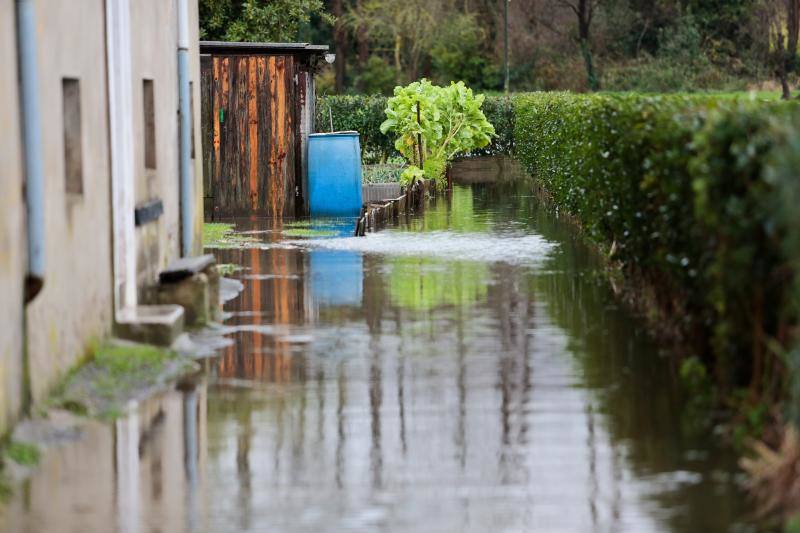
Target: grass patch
x=121, y=368
x=226, y=269
x=23, y=453
x=222, y=235
x=116, y=373
x=308, y=232
x=214, y=232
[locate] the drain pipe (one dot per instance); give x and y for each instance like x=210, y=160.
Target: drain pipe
x=185, y=113
x=32, y=145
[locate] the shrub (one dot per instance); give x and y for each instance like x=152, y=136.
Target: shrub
x=683, y=190
x=363, y=114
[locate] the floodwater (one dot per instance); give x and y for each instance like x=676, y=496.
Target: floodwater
x=466, y=370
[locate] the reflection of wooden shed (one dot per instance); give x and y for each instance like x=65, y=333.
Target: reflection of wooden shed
x=257, y=109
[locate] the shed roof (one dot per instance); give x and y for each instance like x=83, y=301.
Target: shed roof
x=224, y=47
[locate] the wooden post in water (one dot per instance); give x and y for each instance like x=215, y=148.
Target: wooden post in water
x=419, y=139
x=449, y=175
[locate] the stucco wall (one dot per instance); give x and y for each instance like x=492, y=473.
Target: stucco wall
x=75, y=305
x=76, y=301
x=155, y=57
x=12, y=233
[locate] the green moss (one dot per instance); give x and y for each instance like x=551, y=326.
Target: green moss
x=116, y=373
x=121, y=368
x=23, y=453
x=129, y=360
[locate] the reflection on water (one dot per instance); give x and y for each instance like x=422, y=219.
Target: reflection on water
x=381, y=384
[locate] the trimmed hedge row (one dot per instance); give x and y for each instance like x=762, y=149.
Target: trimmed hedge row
x=691, y=193
x=365, y=113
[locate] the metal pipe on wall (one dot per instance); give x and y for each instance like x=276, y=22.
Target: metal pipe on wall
x=32, y=146
x=185, y=113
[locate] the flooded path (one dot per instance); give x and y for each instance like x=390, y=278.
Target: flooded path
x=466, y=371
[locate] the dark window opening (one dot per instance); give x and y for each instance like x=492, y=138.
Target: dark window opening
x=73, y=160
x=149, y=124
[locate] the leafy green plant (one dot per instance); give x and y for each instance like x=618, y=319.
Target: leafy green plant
x=433, y=124
x=411, y=174
x=365, y=114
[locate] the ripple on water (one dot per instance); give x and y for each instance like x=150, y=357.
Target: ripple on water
x=513, y=248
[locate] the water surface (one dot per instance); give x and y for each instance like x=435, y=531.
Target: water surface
x=466, y=370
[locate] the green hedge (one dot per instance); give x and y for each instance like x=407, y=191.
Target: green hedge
x=365, y=113
x=690, y=192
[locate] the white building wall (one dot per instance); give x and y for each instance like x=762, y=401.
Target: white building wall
x=13, y=251
x=75, y=305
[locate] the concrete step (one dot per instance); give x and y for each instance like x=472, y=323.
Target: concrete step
x=151, y=324
x=185, y=267
x=192, y=283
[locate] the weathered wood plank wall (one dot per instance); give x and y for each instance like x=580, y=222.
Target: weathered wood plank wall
x=250, y=118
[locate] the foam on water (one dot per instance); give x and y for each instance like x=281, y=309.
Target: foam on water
x=514, y=248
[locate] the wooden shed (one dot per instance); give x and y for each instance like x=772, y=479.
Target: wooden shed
x=257, y=113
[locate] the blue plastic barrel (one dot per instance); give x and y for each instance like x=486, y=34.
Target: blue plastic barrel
x=334, y=174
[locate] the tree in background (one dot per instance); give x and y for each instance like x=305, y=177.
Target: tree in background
x=405, y=30
x=459, y=53
x=782, y=18
x=340, y=44
x=645, y=45
x=584, y=11
x=257, y=20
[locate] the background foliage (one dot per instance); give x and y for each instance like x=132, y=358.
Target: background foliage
x=644, y=45
x=257, y=20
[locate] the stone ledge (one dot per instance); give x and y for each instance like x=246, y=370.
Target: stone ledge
x=159, y=325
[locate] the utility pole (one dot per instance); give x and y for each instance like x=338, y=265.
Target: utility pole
x=505, y=45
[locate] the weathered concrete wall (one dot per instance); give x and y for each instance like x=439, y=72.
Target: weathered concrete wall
x=75, y=306
x=155, y=57
x=76, y=301
x=12, y=228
